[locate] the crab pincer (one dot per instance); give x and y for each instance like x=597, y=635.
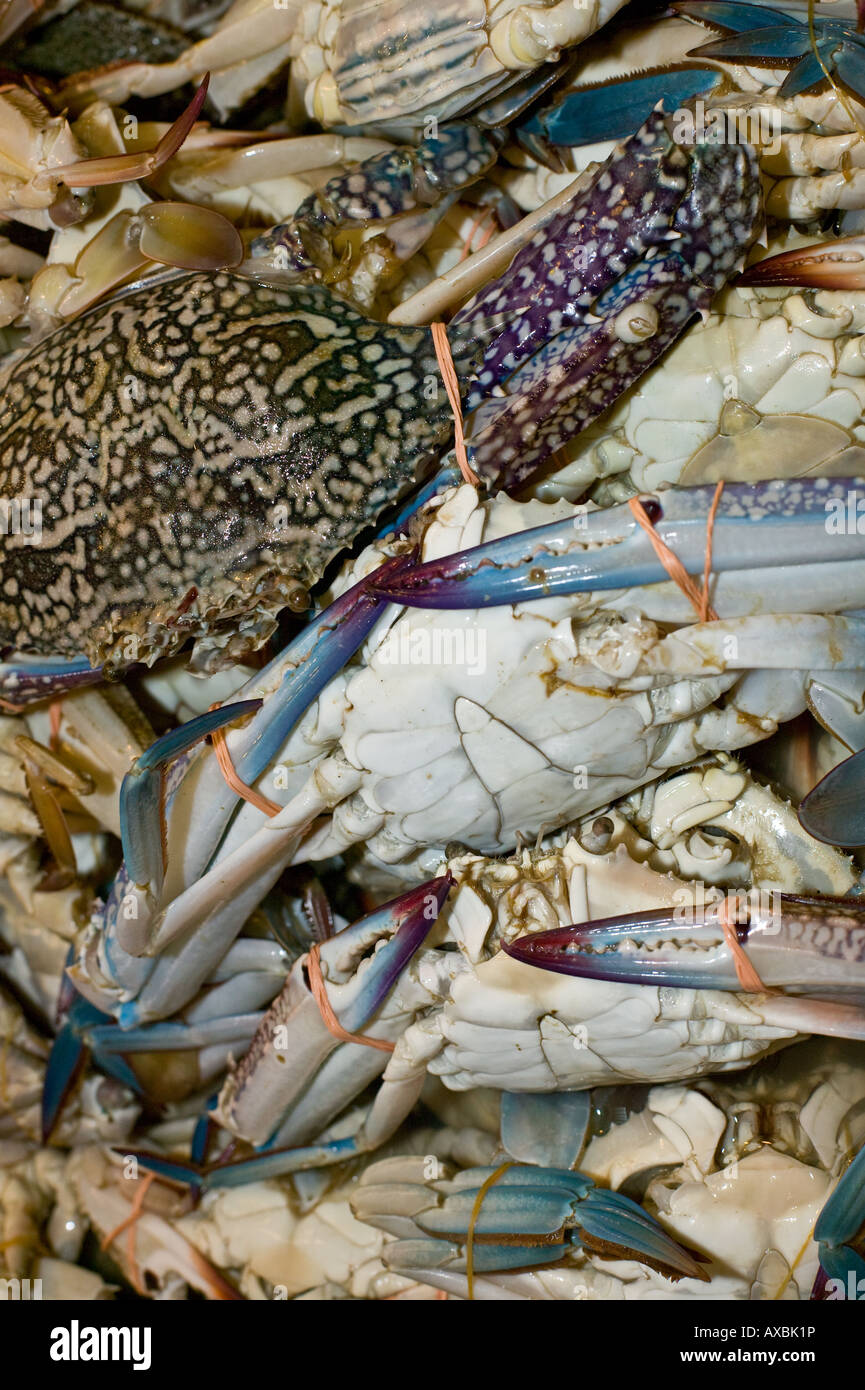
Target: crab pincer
x=806, y=955
x=525, y=1218
x=754, y=527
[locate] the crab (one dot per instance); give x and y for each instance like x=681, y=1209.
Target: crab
x=483, y=1015
x=244, y=539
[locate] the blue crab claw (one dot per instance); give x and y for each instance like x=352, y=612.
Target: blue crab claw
x=528, y=1210
x=756, y=526
x=612, y=111
x=834, y=811
x=772, y=38
x=809, y=953
x=830, y=265
x=839, y=1228
x=292, y=681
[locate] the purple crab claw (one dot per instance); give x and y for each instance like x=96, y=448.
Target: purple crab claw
x=756, y=526
x=298, y=1074
x=798, y=946
x=406, y=921
x=834, y=811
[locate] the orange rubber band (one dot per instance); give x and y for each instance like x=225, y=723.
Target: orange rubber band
x=55, y=714
x=12, y=707
x=129, y=1223
x=470, y=1233
x=673, y=565
x=328, y=1017
x=747, y=976
x=482, y=217
x=449, y=377
x=226, y=767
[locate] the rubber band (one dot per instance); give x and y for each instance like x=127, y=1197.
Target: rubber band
x=129, y=1223
x=328, y=1017
x=705, y=610
x=449, y=377
x=483, y=216
x=226, y=767
x=746, y=974
x=673, y=565
x=476, y=1211
x=55, y=714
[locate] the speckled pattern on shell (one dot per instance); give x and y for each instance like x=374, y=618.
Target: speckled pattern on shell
x=190, y=440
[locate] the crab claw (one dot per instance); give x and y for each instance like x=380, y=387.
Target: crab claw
x=528, y=1216
x=268, y=1102
x=800, y=946
x=830, y=265
x=403, y=924
x=833, y=811
x=755, y=527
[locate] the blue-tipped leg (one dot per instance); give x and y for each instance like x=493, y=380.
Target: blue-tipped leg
x=26, y=680
x=536, y=1206
x=71, y=1053
x=772, y=38
x=839, y=1230
x=756, y=526
x=272, y=1163
x=141, y=791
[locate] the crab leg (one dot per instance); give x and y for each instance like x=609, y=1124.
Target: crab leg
x=25, y=680
x=141, y=791
x=126, y=168
x=70, y=1054
x=838, y=1227
x=756, y=527
x=530, y=1216
x=801, y=946
x=218, y=901
x=832, y=811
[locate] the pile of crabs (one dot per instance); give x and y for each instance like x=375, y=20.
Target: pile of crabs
x=431, y=758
